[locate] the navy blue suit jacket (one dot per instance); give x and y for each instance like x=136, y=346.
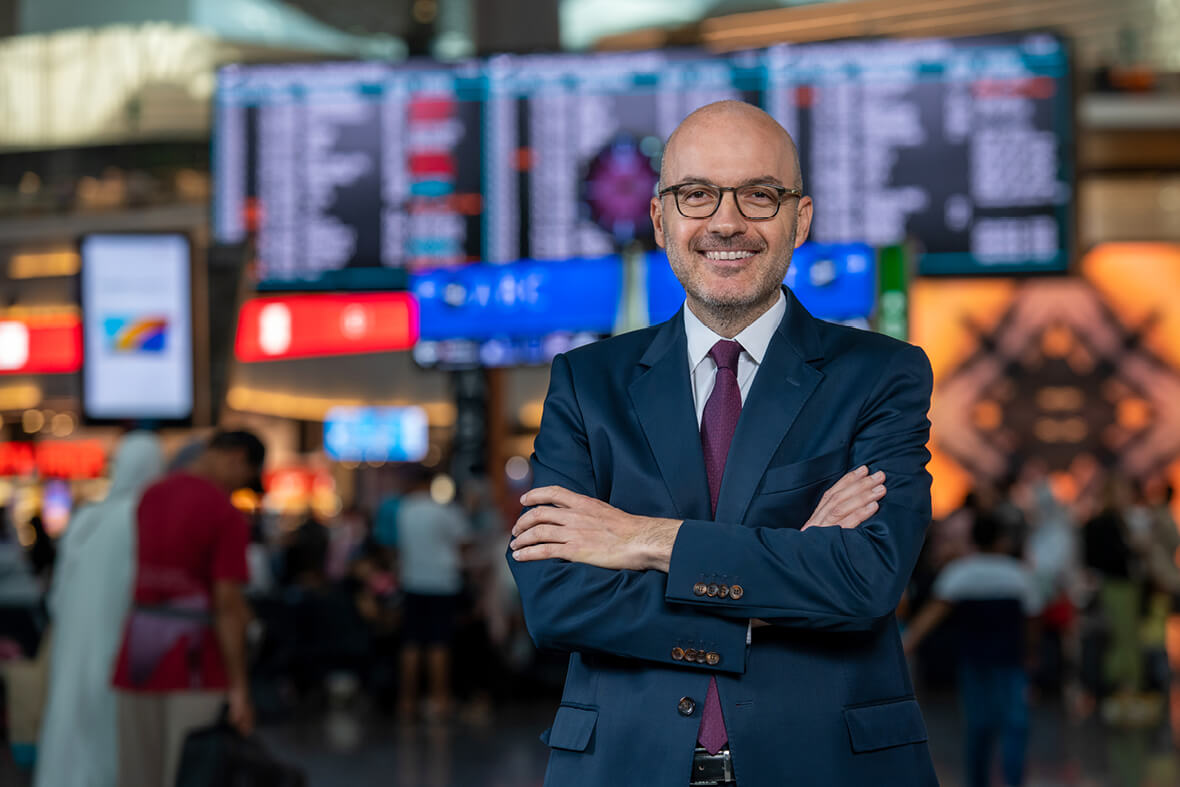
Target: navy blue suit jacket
x=822, y=696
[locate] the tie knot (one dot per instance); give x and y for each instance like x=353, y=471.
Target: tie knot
x=725, y=354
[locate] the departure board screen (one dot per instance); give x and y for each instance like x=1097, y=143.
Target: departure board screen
x=347, y=174
x=574, y=143
x=353, y=175
x=962, y=146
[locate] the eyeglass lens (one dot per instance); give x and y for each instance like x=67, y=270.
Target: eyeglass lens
x=701, y=200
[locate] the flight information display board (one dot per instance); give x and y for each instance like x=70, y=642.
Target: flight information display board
x=963, y=146
x=574, y=143
x=350, y=175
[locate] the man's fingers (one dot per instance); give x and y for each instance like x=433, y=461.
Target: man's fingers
x=859, y=489
x=847, y=480
x=855, y=499
x=541, y=516
x=848, y=484
x=538, y=552
x=852, y=509
x=541, y=534
x=550, y=496
x=847, y=499
x=860, y=515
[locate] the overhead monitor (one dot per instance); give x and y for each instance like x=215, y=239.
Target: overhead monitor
x=350, y=175
x=960, y=146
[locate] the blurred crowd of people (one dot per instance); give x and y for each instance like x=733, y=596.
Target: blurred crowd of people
x=1030, y=593
x=409, y=609
x=137, y=610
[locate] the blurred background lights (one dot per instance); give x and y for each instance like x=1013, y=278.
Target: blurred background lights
x=517, y=468
x=32, y=421
x=442, y=489
x=62, y=425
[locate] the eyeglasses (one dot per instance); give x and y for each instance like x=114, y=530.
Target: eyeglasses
x=758, y=202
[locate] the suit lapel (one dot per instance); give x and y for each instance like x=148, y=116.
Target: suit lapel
x=783, y=384
x=662, y=397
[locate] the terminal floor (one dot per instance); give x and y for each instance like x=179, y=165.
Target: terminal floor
x=343, y=748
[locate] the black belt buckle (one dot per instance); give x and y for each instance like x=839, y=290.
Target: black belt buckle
x=711, y=770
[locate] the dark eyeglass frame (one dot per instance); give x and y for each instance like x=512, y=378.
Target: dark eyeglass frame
x=782, y=192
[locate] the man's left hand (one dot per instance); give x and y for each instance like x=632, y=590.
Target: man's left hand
x=581, y=529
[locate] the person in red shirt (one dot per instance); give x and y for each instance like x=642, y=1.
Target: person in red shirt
x=183, y=654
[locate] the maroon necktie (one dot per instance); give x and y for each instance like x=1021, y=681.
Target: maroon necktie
x=717, y=426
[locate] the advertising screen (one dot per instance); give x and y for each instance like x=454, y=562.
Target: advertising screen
x=137, y=327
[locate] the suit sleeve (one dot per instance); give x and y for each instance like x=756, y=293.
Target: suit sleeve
x=578, y=607
x=830, y=578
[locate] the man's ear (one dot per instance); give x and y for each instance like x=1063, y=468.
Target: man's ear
x=802, y=221
x=657, y=221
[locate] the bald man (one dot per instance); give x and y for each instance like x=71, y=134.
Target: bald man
x=710, y=537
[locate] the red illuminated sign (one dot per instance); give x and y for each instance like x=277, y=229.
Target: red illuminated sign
x=53, y=459
x=41, y=344
x=306, y=326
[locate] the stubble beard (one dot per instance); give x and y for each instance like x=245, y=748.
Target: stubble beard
x=733, y=312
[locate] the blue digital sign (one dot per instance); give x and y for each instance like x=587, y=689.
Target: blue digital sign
x=833, y=281
x=376, y=434
x=519, y=299
x=527, y=312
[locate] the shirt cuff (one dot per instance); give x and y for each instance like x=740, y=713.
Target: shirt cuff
x=750, y=631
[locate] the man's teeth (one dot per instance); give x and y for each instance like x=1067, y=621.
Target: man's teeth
x=728, y=255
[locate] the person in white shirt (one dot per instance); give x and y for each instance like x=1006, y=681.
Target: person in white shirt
x=430, y=538
x=995, y=602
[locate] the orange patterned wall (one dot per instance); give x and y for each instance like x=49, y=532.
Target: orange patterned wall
x=1138, y=283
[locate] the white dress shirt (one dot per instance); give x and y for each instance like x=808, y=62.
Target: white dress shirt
x=754, y=341
x=703, y=369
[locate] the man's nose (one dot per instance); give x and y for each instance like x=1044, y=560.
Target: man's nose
x=727, y=220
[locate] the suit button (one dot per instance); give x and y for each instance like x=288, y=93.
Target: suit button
x=723, y=591
x=690, y=654
x=678, y=654
x=686, y=706
x=736, y=592
x=701, y=658
x=712, y=659
x=712, y=590
x=700, y=588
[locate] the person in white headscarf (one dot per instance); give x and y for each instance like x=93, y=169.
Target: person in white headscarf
x=88, y=602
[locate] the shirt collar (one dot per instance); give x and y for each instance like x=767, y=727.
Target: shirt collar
x=754, y=339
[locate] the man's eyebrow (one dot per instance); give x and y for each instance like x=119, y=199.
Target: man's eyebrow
x=768, y=180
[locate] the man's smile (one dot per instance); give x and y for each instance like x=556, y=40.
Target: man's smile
x=728, y=255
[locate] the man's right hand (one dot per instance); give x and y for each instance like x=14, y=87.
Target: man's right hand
x=241, y=711
x=851, y=501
